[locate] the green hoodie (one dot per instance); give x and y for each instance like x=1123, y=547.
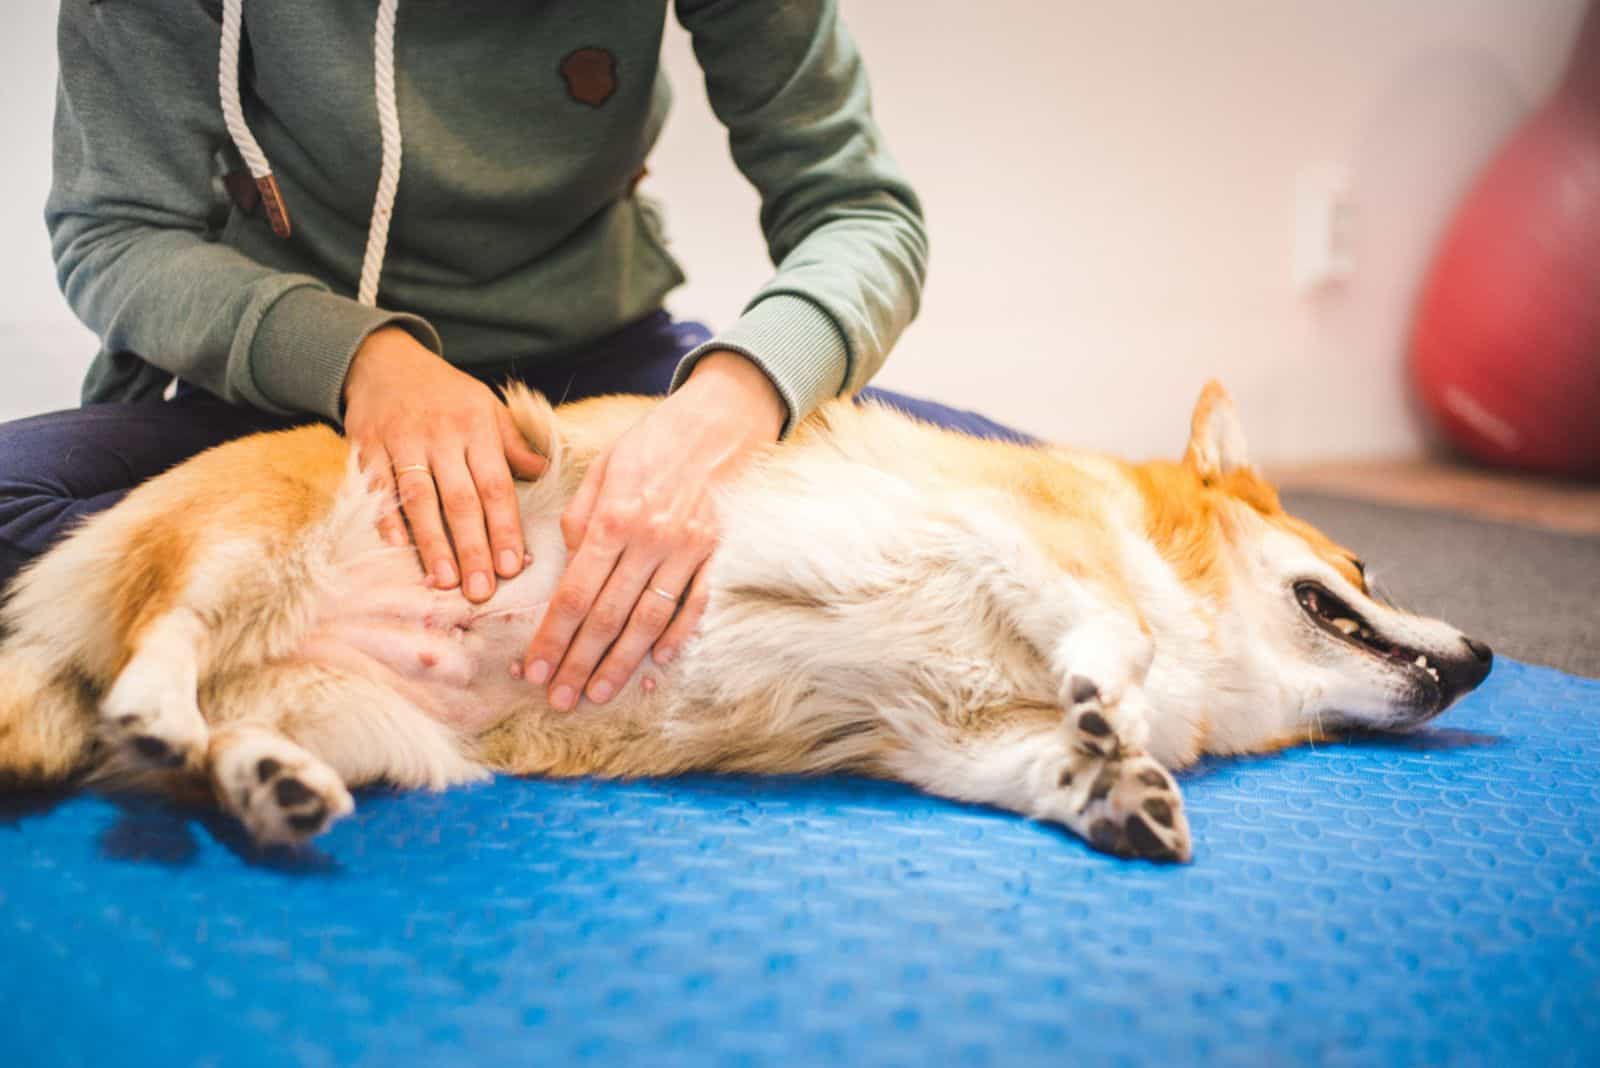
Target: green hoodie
x=517, y=232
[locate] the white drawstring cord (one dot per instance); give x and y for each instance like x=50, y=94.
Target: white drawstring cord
x=389, y=172
x=228, y=88
x=233, y=116
x=261, y=170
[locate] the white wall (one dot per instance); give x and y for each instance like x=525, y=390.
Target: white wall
x=43, y=349
x=1110, y=189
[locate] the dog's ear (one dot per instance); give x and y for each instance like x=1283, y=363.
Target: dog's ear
x=1216, y=440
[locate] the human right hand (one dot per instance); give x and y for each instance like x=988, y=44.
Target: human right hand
x=443, y=442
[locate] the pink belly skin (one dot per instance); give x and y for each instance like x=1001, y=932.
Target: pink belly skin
x=449, y=657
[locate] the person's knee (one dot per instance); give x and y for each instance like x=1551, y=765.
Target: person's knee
x=43, y=460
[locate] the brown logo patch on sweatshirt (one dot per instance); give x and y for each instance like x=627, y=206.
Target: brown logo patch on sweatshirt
x=591, y=75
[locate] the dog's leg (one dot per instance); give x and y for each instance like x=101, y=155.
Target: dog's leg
x=1091, y=772
x=1094, y=650
x=286, y=740
x=281, y=793
x=1108, y=788
x=318, y=729
x=1074, y=770
x=151, y=708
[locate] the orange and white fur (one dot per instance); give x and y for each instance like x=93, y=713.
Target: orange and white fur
x=1037, y=628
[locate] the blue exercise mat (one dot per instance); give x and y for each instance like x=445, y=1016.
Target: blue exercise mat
x=1423, y=900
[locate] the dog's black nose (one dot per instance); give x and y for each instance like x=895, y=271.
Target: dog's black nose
x=1459, y=676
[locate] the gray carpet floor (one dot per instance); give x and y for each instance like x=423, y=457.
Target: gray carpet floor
x=1531, y=594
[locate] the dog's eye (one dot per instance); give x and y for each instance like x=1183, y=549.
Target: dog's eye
x=1380, y=593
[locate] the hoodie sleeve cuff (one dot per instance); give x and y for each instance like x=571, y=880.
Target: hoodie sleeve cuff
x=303, y=346
x=794, y=342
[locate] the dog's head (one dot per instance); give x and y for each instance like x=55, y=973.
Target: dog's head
x=1341, y=656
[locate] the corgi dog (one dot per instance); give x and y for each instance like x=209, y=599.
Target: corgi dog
x=1033, y=627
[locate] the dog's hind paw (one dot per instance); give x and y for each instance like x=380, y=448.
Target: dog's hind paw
x=282, y=794
x=156, y=726
x=1116, y=795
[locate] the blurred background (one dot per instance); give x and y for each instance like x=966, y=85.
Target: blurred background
x=1124, y=199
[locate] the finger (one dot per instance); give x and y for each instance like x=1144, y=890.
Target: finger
x=419, y=501
x=575, y=594
x=575, y=520
x=611, y=611
x=379, y=469
x=524, y=462
x=657, y=605
x=463, y=513
x=500, y=516
x=670, y=644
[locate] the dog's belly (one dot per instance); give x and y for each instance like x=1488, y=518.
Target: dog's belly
x=452, y=659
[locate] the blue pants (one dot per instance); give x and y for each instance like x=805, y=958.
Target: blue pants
x=57, y=468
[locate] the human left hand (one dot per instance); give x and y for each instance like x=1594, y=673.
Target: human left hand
x=641, y=528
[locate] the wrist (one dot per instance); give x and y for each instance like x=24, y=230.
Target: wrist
x=375, y=350
x=745, y=385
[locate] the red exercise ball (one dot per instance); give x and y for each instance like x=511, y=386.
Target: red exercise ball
x=1505, y=350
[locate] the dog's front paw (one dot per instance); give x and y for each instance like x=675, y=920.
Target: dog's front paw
x=282, y=794
x=1113, y=793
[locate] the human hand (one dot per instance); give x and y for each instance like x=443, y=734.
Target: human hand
x=442, y=439
x=641, y=527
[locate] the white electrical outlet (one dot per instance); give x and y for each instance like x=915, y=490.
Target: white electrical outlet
x=1324, y=221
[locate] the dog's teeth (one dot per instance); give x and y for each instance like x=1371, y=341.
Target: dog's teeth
x=1347, y=626
x=1434, y=673
x=1421, y=661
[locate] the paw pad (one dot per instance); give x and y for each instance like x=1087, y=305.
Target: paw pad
x=302, y=808
x=1095, y=724
x=1158, y=810
x=157, y=741
x=1144, y=842
x=153, y=750
x=281, y=793
x=291, y=792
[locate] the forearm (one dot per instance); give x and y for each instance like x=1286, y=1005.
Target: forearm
x=843, y=226
x=210, y=315
x=862, y=267
x=728, y=379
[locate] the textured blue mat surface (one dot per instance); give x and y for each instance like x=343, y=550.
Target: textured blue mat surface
x=1426, y=900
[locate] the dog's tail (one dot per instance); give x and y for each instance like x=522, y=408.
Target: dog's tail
x=46, y=721
x=537, y=422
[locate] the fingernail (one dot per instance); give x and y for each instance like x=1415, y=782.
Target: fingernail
x=444, y=573
x=478, y=585
x=600, y=692
x=664, y=656
x=538, y=672
x=563, y=698
x=516, y=670
x=508, y=563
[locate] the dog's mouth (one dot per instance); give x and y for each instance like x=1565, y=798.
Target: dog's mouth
x=1343, y=622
